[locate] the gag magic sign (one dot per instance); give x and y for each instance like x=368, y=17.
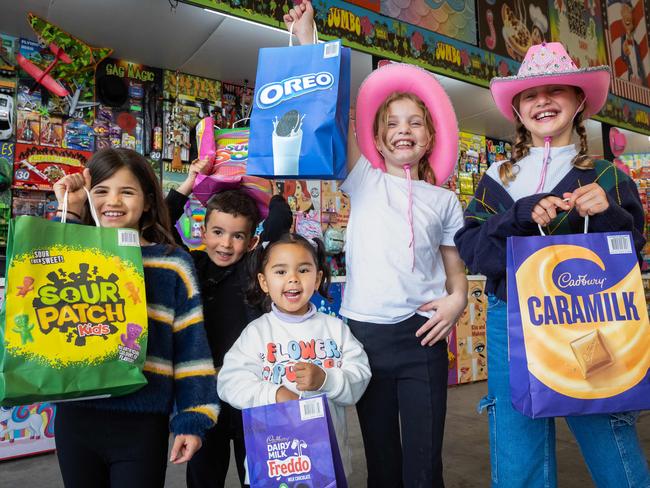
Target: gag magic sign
x=578, y=317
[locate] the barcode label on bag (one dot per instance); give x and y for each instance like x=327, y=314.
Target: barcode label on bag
x=619, y=244
x=312, y=408
x=331, y=49
x=128, y=237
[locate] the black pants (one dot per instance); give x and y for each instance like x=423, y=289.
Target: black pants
x=408, y=389
x=102, y=449
x=209, y=466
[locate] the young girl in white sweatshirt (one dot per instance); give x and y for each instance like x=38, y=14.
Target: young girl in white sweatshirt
x=294, y=349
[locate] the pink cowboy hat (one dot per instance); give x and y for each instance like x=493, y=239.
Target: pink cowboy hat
x=549, y=64
x=399, y=77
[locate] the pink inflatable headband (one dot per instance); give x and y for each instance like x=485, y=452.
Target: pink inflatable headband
x=399, y=77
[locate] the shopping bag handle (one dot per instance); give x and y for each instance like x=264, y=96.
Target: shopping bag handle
x=64, y=210
x=541, y=231
x=291, y=34
x=245, y=119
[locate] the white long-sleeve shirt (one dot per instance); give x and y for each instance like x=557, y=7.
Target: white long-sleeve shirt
x=262, y=359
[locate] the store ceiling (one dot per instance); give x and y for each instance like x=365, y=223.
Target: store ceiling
x=199, y=42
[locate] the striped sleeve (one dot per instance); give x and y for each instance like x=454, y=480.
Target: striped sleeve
x=195, y=388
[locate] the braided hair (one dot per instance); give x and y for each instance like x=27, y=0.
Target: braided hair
x=523, y=143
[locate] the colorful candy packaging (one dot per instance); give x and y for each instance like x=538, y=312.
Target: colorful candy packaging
x=74, y=321
x=292, y=445
x=299, y=124
x=228, y=170
x=578, y=325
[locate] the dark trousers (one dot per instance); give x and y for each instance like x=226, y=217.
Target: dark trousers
x=209, y=466
x=402, y=413
x=102, y=449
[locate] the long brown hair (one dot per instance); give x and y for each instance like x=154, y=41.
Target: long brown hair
x=523, y=143
x=425, y=172
x=155, y=225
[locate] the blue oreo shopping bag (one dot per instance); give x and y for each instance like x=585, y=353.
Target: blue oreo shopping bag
x=579, y=337
x=292, y=445
x=299, y=123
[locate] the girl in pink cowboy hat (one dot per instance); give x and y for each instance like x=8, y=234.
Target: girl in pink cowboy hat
x=406, y=284
x=548, y=182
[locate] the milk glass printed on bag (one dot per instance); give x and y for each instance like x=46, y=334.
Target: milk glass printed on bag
x=299, y=119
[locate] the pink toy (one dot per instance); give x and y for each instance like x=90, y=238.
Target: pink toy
x=399, y=77
x=549, y=64
x=229, y=171
x=205, y=139
x=617, y=141
x=130, y=339
x=43, y=77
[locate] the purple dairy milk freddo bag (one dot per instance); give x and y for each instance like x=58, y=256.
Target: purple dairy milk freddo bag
x=292, y=445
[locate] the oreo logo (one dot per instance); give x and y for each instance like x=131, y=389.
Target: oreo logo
x=273, y=94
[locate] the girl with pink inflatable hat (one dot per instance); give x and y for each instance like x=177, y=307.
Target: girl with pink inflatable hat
x=406, y=284
x=551, y=183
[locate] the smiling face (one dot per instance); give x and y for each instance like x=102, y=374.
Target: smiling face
x=120, y=200
x=548, y=111
x=290, y=277
x=227, y=237
x=627, y=17
x=402, y=135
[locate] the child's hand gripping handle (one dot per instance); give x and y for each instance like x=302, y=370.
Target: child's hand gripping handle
x=73, y=190
x=302, y=17
x=541, y=231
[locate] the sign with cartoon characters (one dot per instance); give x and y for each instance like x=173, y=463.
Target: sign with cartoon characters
x=628, y=49
x=38, y=168
x=500, y=42
x=26, y=430
x=467, y=347
x=452, y=18
x=578, y=24
x=510, y=27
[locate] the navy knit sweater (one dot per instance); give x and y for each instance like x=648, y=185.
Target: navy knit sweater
x=492, y=216
x=180, y=374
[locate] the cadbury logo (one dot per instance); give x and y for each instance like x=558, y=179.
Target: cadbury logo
x=273, y=94
x=566, y=280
